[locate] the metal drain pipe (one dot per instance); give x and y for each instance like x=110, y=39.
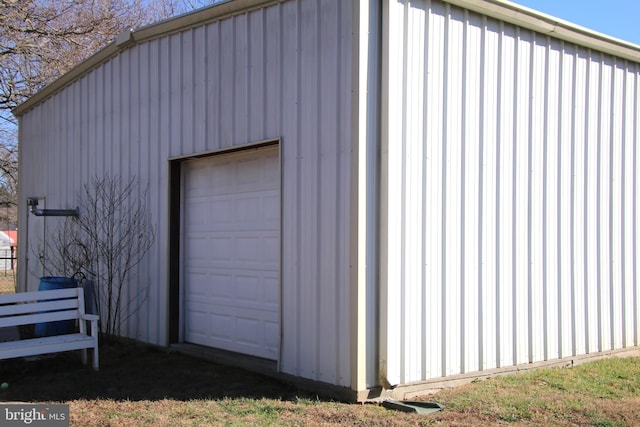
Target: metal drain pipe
x=32, y=202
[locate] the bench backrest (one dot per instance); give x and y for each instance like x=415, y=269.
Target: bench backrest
x=25, y=308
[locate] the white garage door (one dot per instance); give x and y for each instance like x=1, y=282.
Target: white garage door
x=232, y=252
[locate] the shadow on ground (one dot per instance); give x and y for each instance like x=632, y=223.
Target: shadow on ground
x=130, y=371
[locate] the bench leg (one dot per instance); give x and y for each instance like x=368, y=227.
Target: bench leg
x=83, y=356
x=95, y=359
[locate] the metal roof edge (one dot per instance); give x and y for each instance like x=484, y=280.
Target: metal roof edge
x=499, y=9
x=181, y=22
x=524, y=17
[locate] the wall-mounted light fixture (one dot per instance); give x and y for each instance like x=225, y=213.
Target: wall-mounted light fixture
x=32, y=202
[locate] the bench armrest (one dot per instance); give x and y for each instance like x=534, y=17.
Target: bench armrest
x=93, y=318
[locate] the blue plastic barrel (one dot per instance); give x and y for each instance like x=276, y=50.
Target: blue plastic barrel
x=60, y=327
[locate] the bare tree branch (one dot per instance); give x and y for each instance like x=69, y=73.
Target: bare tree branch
x=41, y=40
x=111, y=236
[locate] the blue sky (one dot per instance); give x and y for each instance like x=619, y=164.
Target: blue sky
x=617, y=18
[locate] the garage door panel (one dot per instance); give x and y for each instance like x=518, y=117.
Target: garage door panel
x=272, y=293
x=259, y=291
x=250, y=288
x=232, y=252
x=199, y=285
x=209, y=229
x=250, y=251
x=222, y=327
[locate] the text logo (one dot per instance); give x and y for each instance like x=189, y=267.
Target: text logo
x=34, y=415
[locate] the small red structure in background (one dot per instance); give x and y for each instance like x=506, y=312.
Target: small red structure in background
x=8, y=249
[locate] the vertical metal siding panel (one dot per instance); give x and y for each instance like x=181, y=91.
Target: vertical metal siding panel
x=291, y=360
x=256, y=89
x=308, y=187
x=490, y=280
x=50, y=121
x=212, y=85
x=328, y=174
x=473, y=204
x=506, y=254
x=412, y=171
x=143, y=94
x=552, y=219
x=241, y=87
x=169, y=97
x=520, y=212
x=395, y=350
x=591, y=194
x=226, y=58
x=108, y=129
x=117, y=124
x=342, y=291
x=54, y=185
x=99, y=124
x=454, y=63
x=635, y=117
x=616, y=208
x=434, y=279
x=124, y=112
x=150, y=311
x=627, y=205
x=184, y=82
x=123, y=115
x=198, y=121
x=538, y=334
x=71, y=145
x=182, y=88
x=604, y=213
x=135, y=101
x=162, y=112
x=91, y=122
x=565, y=210
x=130, y=102
x=272, y=81
x=578, y=204
x=83, y=137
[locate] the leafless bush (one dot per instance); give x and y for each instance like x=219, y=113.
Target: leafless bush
x=105, y=243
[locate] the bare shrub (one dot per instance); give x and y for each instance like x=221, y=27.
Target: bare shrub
x=105, y=243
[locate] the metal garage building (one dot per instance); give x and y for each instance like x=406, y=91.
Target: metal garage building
x=369, y=193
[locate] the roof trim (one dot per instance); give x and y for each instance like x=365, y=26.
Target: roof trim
x=197, y=17
x=499, y=9
x=530, y=19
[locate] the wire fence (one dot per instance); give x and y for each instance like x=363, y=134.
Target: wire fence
x=7, y=271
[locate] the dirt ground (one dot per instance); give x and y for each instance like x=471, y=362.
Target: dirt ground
x=132, y=372
x=136, y=381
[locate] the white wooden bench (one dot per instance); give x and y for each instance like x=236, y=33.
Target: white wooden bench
x=28, y=308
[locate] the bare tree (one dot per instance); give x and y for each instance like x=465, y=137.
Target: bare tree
x=8, y=173
x=105, y=243
x=41, y=40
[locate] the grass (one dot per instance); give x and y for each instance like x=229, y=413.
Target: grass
x=604, y=392
x=7, y=281
x=138, y=386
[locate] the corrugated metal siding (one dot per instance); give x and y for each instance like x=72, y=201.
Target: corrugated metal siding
x=283, y=71
x=510, y=160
